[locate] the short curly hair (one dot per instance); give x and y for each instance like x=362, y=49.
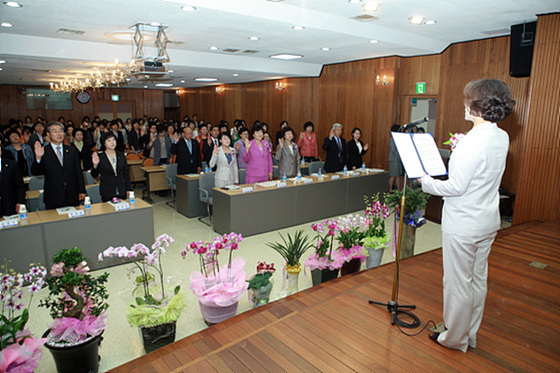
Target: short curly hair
x=489, y=99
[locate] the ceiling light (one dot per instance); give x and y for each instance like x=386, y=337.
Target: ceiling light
x=171, y=71
x=370, y=6
x=298, y=28
x=206, y=79
x=325, y=49
x=374, y=41
x=12, y=4
x=254, y=38
x=286, y=56
x=6, y=24
x=164, y=85
x=235, y=74
x=354, y=1
x=2, y=61
x=416, y=20
x=431, y=22
x=214, y=48
x=155, y=24
x=188, y=8
x=145, y=86
x=182, y=81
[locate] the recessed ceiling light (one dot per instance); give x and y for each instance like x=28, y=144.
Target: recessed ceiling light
x=206, y=79
x=354, y=1
x=254, y=38
x=325, y=49
x=164, y=85
x=416, y=20
x=298, y=28
x=128, y=79
x=12, y=4
x=286, y=56
x=213, y=48
x=182, y=81
x=6, y=24
x=370, y=6
x=374, y=41
x=171, y=71
x=431, y=22
x=188, y=8
x=145, y=86
x=2, y=61
x=155, y=24
x=235, y=74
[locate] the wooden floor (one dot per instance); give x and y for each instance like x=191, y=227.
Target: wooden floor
x=332, y=328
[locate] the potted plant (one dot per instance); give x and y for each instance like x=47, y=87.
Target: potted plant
x=415, y=203
x=291, y=251
x=350, y=236
x=376, y=237
x=20, y=350
x=155, y=310
x=324, y=263
x=260, y=285
x=218, y=288
x=77, y=303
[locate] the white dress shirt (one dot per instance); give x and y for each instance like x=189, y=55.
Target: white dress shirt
x=475, y=172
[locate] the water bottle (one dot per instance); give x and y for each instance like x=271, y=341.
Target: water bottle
x=302, y=162
x=345, y=170
x=320, y=173
x=299, y=177
x=87, y=206
x=364, y=166
x=23, y=214
x=284, y=178
x=131, y=199
x=206, y=169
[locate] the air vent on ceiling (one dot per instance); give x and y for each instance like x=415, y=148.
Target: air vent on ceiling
x=68, y=31
x=231, y=50
x=502, y=31
x=275, y=1
x=365, y=18
x=250, y=51
x=175, y=42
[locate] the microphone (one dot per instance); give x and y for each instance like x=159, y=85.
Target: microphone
x=417, y=122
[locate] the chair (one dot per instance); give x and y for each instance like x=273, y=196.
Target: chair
x=131, y=156
x=41, y=203
x=315, y=166
x=205, y=186
x=89, y=180
x=170, y=178
x=93, y=193
x=242, y=174
x=275, y=172
x=37, y=183
x=147, y=162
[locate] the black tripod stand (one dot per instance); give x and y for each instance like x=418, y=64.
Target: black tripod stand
x=393, y=305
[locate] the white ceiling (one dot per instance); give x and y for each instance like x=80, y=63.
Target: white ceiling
x=36, y=54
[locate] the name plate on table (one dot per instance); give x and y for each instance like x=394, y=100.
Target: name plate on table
x=247, y=190
x=307, y=181
x=335, y=177
x=75, y=214
x=121, y=206
x=10, y=223
x=281, y=185
x=355, y=173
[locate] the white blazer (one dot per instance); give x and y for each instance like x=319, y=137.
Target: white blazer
x=471, y=193
x=226, y=174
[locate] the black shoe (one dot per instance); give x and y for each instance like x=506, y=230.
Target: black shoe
x=434, y=337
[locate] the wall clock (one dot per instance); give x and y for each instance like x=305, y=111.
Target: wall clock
x=83, y=97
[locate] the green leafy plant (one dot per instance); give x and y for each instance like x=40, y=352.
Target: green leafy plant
x=262, y=278
x=415, y=200
x=293, y=248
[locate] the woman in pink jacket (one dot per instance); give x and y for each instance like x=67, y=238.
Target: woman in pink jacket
x=258, y=156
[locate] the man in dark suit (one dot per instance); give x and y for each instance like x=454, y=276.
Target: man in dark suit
x=188, y=154
x=210, y=143
x=12, y=188
x=64, y=181
x=39, y=128
x=335, y=146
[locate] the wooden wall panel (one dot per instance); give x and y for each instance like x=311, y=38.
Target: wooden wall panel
x=538, y=196
x=13, y=105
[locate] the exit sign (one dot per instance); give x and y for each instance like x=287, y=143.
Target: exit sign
x=115, y=97
x=421, y=87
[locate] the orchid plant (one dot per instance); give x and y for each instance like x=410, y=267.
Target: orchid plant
x=262, y=278
x=351, y=235
x=77, y=300
x=376, y=213
x=153, y=307
x=19, y=349
x=324, y=256
x=454, y=139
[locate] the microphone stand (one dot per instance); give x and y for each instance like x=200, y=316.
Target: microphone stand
x=393, y=305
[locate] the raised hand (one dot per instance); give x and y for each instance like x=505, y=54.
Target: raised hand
x=366, y=147
x=39, y=150
x=95, y=159
x=331, y=134
x=248, y=145
x=216, y=150
x=281, y=143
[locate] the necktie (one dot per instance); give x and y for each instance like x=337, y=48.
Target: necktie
x=189, y=145
x=215, y=142
x=59, y=154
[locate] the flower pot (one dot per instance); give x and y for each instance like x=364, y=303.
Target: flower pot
x=261, y=295
x=83, y=357
x=350, y=267
x=216, y=314
x=293, y=278
x=155, y=337
x=318, y=276
x=374, y=256
x=408, y=241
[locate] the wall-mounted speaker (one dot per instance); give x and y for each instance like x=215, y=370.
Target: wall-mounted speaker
x=522, y=42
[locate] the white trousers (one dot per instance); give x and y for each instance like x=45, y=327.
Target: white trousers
x=465, y=272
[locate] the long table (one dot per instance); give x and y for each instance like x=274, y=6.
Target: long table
x=270, y=208
x=46, y=232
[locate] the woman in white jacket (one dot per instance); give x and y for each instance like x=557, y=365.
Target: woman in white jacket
x=471, y=215
x=225, y=159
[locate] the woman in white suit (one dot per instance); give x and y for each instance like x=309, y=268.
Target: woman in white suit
x=225, y=160
x=471, y=215
x=287, y=154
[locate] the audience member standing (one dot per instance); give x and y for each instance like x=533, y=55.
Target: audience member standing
x=224, y=159
x=258, y=156
x=307, y=143
x=240, y=147
x=188, y=155
x=39, y=129
x=12, y=188
x=83, y=148
x=356, y=149
x=396, y=170
x=287, y=154
x=335, y=146
x=21, y=153
x=211, y=142
x=111, y=165
x=159, y=147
